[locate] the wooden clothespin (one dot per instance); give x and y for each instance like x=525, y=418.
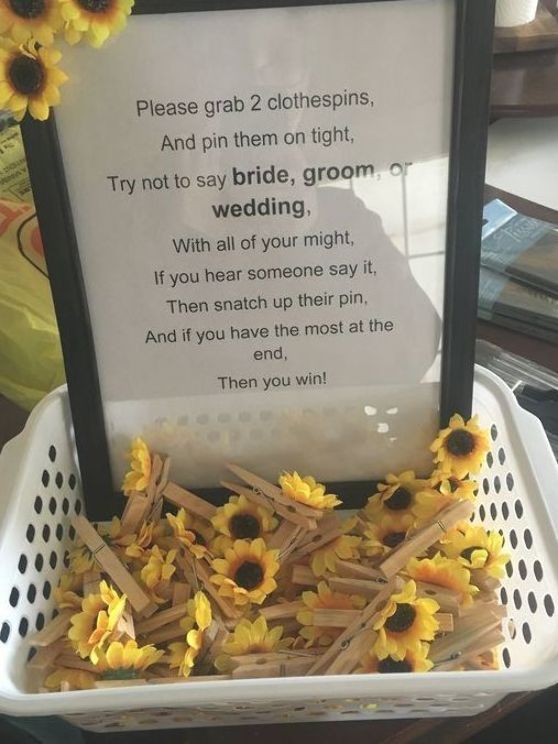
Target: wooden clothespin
x=135, y=512
x=448, y=600
x=427, y=536
x=344, y=644
x=161, y=618
x=181, y=592
x=111, y=564
x=53, y=630
x=251, y=494
x=363, y=587
x=189, y=501
x=284, y=667
x=282, y=610
x=304, y=576
x=47, y=655
x=325, y=618
x=91, y=582
x=348, y=570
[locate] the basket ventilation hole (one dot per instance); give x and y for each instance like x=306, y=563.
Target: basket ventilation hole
x=39, y=562
x=501, y=456
x=46, y=533
x=517, y=599
x=526, y=632
x=485, y=486
x=59, y=480
x=31, y=654
x=14, y=596
x=66, y=559
x=40, y=621
x=52, y=505
x=493, y=510
x=497, y=484
x=59, y=532
x=512, y=630
x=4, y=632
x=65, y=506
x=71, y=532
x=30, y=534
x=505, y=511
x=23, y=627
x=506, y=658
x=482, y=513
x=493, y=432
x=38, y=505
x=77, y=507
x=518, y=506
x=45, y=478
x=513, y=539
x=22, y=565
x=489, y=460
x=532, y=602
x=549, y=605
x=52, y=453
x=47, y=589
x=528, y=539
x=31, y=593
x=509, y=569
x=538, y=570
x=72, y=481
x=504, y=596
x=522, y=569
x=53, y=560
x=509, y=481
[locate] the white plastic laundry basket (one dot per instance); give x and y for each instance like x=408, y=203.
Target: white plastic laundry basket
x=519, y=495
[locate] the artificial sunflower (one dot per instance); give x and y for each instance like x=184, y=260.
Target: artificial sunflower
x=77, y=679
x=26, y=19
x=460, y=449
x=184, y=654
x=307, y=491
x=387, y=533
x=444, y=572
x=397, y=494
x=246, y=572
x=404, y=623
x=324, y=599
x=345, y=547
x=94, y=20
x=476, y=548
x=444, y=489
x=137, y=478
x=413, y=661
x=29, y=79
x=97, y=621
x=251, y=638
x=65, y=594
x=126, y=660
x=148, y=534
x=158, y=571
x=240, y=519
x=193, y=533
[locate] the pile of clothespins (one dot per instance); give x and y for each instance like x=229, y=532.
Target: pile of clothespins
x=276, y=583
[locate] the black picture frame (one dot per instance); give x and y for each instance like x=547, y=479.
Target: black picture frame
x=470, y=106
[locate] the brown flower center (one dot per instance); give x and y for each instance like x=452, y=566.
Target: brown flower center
x=249, y=575
x=393, y=539
x=460, y=443
x=27, y=8
x=399, y=500
x=26, y=74
x=392, y=666
x=468, y=552
x=94, y=6
x=244, y=526
x=402, y=619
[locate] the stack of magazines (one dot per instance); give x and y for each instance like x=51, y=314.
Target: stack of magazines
x=519, y=272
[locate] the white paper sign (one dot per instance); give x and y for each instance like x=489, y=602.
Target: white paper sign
x=260, y=201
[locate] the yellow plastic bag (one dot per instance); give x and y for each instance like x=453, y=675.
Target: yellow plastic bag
x=30, y=355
